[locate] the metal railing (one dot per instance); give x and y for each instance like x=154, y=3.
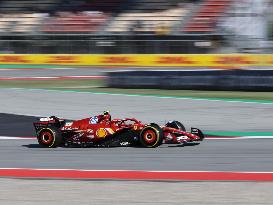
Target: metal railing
x=126, y=44
x=80, y=44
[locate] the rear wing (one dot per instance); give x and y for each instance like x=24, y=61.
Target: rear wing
x=48, y=122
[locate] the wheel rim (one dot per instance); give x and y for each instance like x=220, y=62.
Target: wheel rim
x=149, y=136
x=46, y=137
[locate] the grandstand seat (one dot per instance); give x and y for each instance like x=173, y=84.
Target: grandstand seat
x=148, y=16
x=21, y=22
x=22, y=16
x=206, y=18
x=80, y=22
x=148, y=20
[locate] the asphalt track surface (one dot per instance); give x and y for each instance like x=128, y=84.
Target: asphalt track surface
x=50, y=71
x=51, y=192
x=210, y=155
x=204, y=114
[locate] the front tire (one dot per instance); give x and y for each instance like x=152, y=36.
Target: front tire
x=151, y=136
x=177, y=125
x=50, y=137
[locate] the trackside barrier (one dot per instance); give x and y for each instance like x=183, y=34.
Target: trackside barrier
x=249, y=80
x=160, y=60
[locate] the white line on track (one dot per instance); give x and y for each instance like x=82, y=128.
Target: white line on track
x=15, y=138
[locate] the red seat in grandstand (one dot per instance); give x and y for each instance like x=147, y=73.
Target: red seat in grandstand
x=75, y=23
x=207, y=16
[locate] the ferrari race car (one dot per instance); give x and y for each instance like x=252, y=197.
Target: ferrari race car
x=102, y=131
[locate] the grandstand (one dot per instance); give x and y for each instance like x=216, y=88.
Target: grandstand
x=123, y=26
x=110, y=16
x=148, y=17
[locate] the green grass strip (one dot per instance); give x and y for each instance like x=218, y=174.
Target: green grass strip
x=152, y=95
x=110, y=91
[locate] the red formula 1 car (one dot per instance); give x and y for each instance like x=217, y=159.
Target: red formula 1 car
x=102, y=131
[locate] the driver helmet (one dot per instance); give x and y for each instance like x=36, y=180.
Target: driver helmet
x=106, y=115
x=107, y=112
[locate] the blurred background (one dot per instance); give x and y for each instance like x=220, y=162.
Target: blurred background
x=136, y=26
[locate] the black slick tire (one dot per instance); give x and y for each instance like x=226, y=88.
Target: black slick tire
x=177, y=125
x=49, y=137
x=151, y=136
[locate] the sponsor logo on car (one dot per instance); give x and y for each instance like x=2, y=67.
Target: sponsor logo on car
x=94, y=120
x=101, y=132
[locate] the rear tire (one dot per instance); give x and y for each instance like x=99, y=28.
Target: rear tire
x=151, y=136
x=50, y=137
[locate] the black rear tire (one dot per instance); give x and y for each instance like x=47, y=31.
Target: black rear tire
x=50, y=137
x=151, y=136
